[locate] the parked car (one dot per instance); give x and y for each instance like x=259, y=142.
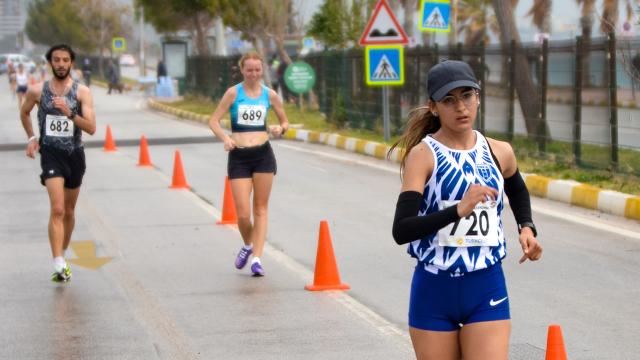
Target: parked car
x=16, y=59
x=127, y=60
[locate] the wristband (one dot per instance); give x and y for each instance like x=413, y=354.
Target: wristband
x=31, y=139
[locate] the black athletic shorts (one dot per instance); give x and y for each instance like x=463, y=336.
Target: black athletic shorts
x=243, y=162
x=22, y=89
x=59, y=163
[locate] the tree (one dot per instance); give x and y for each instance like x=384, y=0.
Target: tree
x=523, y=82
x=87, y=25
x=260, y=22
x=193, y=16
x=541, y=13
x=57, y=21
x=475, y=21
x=337, y=25
x=409, y=7
x=327, y=25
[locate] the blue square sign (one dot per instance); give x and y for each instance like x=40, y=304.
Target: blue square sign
x=384, y=65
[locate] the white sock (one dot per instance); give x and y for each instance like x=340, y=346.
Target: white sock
x=256, y=260
x=247, y=247
x=59, y=264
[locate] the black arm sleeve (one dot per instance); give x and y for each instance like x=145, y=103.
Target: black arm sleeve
x=408, y=226
x=519, y=199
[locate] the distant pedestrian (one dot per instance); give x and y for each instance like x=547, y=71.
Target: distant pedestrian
x=161, y=70
x=113, y=74
x=11, y=74
x=22, y=83
x=86, y=71
x=252, y=164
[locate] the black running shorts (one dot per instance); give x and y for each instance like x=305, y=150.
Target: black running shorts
x=243, y=162
x=59, y=163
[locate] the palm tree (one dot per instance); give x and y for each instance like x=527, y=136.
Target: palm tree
x=475, y=22
x=608, y=23
x=541, y=13
x=523, y=82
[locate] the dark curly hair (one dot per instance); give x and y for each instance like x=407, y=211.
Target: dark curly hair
x=63, y=47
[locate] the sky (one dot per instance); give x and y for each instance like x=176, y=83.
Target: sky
x=565, y=17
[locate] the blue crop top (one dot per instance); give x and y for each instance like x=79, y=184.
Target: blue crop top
x=249, y=114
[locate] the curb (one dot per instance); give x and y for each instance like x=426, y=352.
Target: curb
x=567, y=191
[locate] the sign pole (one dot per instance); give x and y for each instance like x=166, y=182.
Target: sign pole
x=385, y=113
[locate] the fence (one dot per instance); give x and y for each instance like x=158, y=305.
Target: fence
x=568, y=101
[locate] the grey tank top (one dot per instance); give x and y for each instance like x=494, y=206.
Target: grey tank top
x=55, y=129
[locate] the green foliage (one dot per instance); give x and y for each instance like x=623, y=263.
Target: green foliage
x=338, y=116
x=327, y=25
x=338, y=26
x=57, y=21
x=84, y=24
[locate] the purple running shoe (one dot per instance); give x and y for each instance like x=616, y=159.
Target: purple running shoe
x=257, y=269
x=243, y=257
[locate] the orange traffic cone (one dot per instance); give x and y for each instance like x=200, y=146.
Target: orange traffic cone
x=326, y=275
x=179, y=180
x=109, y=144
x=229, y=216
x=555, y=344
x=144, y=159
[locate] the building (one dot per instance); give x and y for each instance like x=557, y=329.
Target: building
x=12, y=20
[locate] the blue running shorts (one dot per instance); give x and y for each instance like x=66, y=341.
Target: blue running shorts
x=445, y=303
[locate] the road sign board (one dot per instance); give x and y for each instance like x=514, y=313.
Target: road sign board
x=384, y=65
x=383, y=27
x=119, y=44
x=434, y=15
x=299, y=77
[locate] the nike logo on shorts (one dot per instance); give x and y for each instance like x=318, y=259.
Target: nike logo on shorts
x=494, y=303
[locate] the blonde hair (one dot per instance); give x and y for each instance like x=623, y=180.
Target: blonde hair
x=250, y=55
x=421, y=122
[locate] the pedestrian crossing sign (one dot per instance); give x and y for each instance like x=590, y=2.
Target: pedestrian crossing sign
x=384, y=65
x=118, y=44
x=434, y=15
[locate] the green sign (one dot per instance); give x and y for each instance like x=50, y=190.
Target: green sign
x=299, y=77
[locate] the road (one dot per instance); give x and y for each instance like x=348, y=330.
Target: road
x=170, y=290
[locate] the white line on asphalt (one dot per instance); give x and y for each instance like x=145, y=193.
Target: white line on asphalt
x=379, y=323
x=390, y=169
x=586, y=221
x=539, y=209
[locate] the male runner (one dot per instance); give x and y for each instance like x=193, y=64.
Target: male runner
x=65, y=109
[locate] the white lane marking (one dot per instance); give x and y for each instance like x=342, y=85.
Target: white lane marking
x=593, y=223
x=394, y=170
x=399, y=336
x=560, y=214
x=318, y=168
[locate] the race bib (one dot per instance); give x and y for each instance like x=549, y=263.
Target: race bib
x=252, y=115
x=58, y=126
x=480, y=228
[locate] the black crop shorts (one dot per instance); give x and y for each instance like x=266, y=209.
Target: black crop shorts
x=243, y=162
x=59, y=163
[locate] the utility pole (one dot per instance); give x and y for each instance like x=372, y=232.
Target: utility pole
x=143, y=67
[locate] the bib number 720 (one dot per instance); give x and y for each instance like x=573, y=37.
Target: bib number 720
x=479, y=228
x=480, y=222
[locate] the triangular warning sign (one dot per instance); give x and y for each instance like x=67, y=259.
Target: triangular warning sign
x=435, y=20
x=383, y=27
x=384, y=70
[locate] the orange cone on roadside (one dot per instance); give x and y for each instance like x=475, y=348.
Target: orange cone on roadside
x=109, y=144
x=144, y=159
x=179, y=180
x=326, y=276
x=229, y=216
x=555, y=344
